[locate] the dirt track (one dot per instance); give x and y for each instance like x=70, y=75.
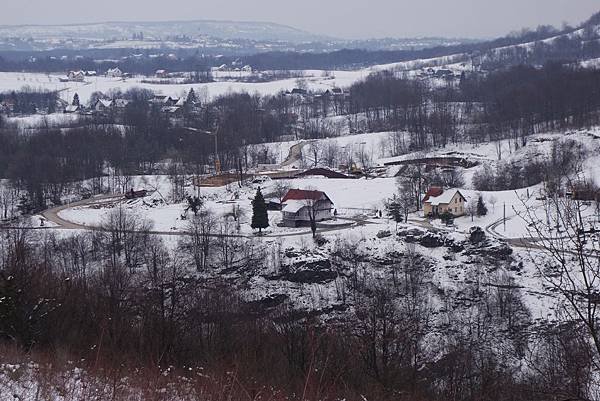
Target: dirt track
x=52, y=215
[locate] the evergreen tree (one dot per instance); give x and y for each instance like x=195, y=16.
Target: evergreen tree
x=481, y=207
x=260, y=217
x=75, y=100
x=194, y=204
x=394, y=209
x=191, y=97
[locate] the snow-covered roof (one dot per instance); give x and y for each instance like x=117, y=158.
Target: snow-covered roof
x=444, y=198
x=121, y=102
x=293, y=206
x=105, y=102
x=170, y=109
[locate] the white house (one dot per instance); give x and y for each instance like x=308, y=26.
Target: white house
x=76, y=76
x=120, y=103
x=114, y=73
x=103, y=105
x=299, y=207
x=438, y=202
x=72, y=108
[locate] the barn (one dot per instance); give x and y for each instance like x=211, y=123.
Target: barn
x=299, y=207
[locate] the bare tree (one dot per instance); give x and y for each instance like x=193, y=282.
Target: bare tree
x=493, y=201
x=569, y=261
x=198, y=244
x=471, y=208
x=125, y=234
x=315, y=149
x=9, y=197
x=281, y=188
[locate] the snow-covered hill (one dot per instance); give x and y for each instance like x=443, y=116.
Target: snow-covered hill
x=161, y=30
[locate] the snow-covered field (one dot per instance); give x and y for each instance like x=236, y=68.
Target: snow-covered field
x=314, y=80
x=318, y=80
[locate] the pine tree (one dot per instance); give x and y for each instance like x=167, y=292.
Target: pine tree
x=194, y=204
x=260, y=217
x=395, y=210
x=75, y=100
x=191, y=97
x=481, y=207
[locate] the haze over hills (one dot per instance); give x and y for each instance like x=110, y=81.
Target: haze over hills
x=186, y=34
x=161, y=30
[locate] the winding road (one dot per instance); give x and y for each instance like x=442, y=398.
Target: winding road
x=52, y=215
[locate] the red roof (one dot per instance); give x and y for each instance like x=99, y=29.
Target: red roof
x=300, y=194
x=433, y=192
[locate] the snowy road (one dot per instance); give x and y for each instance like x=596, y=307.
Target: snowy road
x=52, y=215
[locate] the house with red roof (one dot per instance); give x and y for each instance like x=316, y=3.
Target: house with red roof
x=300, y=207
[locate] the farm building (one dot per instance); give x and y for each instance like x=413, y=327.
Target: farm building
x=103, y=105
x=72, y=108
x=76, y=76
x=299, y=207
x=114, y=73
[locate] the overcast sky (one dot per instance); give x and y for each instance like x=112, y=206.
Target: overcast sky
x=341, y=18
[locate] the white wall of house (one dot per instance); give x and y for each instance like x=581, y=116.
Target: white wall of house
x=323, y=212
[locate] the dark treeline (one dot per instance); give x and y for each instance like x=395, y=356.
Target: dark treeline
x=524, y=100
x=513, y=103
x=131, y=65
x=30, y=101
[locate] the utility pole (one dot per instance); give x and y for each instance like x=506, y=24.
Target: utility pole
x=504, y=219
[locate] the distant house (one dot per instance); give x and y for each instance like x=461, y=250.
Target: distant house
x=173, y=111
x=247, y=68
x=72, y=108
x=298, y=205
x=437, y=202
x=76, y=76
x=162, y=74
x=443, y=73
x=103, y=105
x=163, y=100
x=159, y=99
x=298, y=91
x=120, y=104
x=335, y=92
x=91, y=73
x=6, y=107
x=114, y=73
